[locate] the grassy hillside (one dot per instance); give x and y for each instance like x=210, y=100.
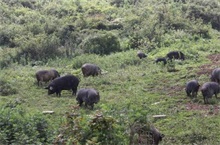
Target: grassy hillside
x=33, y=31
x=131, y=89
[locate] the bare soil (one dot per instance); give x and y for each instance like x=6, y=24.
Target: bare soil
x=205, y=109
x=207, y=69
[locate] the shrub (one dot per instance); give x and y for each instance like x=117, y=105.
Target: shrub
x=104, y=43
x=59, y=9
x=117, y=3
x=6, y=88
x=41, y=47
x=18, y=127
x=171, y=66
x=65, y=33
x=102, y=130
x=82, y=59
x=8, y=34
x=116, y=60
x=81, y=129
x=208, y=11
x=140, y=133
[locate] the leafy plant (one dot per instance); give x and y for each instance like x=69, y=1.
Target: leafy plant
x=37, y=48
x=19, y=127
x=6, y=88
x=81, y=129
x=101, y=43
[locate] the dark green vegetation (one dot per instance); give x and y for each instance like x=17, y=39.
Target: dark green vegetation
x=65, y=34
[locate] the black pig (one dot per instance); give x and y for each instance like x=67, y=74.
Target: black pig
x=141, y=54
x=89, y=96
x=89, y=69
x=209, y=89
x=161, y=59
x=63, y=83
x=192, y=88
x=175, y=55
x=46, y=75
x=215, y=75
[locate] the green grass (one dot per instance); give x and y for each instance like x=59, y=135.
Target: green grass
x=128, y=87
x=131, y=89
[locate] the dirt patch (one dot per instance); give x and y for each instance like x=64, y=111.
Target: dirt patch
x=214, y=57
x=207, y=109
x=207, y=68
x=174, y=90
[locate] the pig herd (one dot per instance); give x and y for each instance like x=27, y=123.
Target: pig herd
x=208, y=89
x=169, y=57
x=89, y=96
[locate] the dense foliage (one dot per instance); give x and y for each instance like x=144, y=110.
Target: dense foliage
x=19, y=127
x=94, y=129
x=64, y=34
x=6, y=88
x=40, y=30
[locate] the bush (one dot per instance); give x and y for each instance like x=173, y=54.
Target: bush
x=116, y=60
x=104, y=43
x=102, y=130
x=117, y=3
x=37, y=48
x=208, y=11
x=121, y=3
x=81, y=129
x=18, y=127
x=82, y=59
x=6, y=88
x=8, y=34
x=65, y=33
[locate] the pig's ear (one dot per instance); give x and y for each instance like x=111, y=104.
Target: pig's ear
x=46, y=87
